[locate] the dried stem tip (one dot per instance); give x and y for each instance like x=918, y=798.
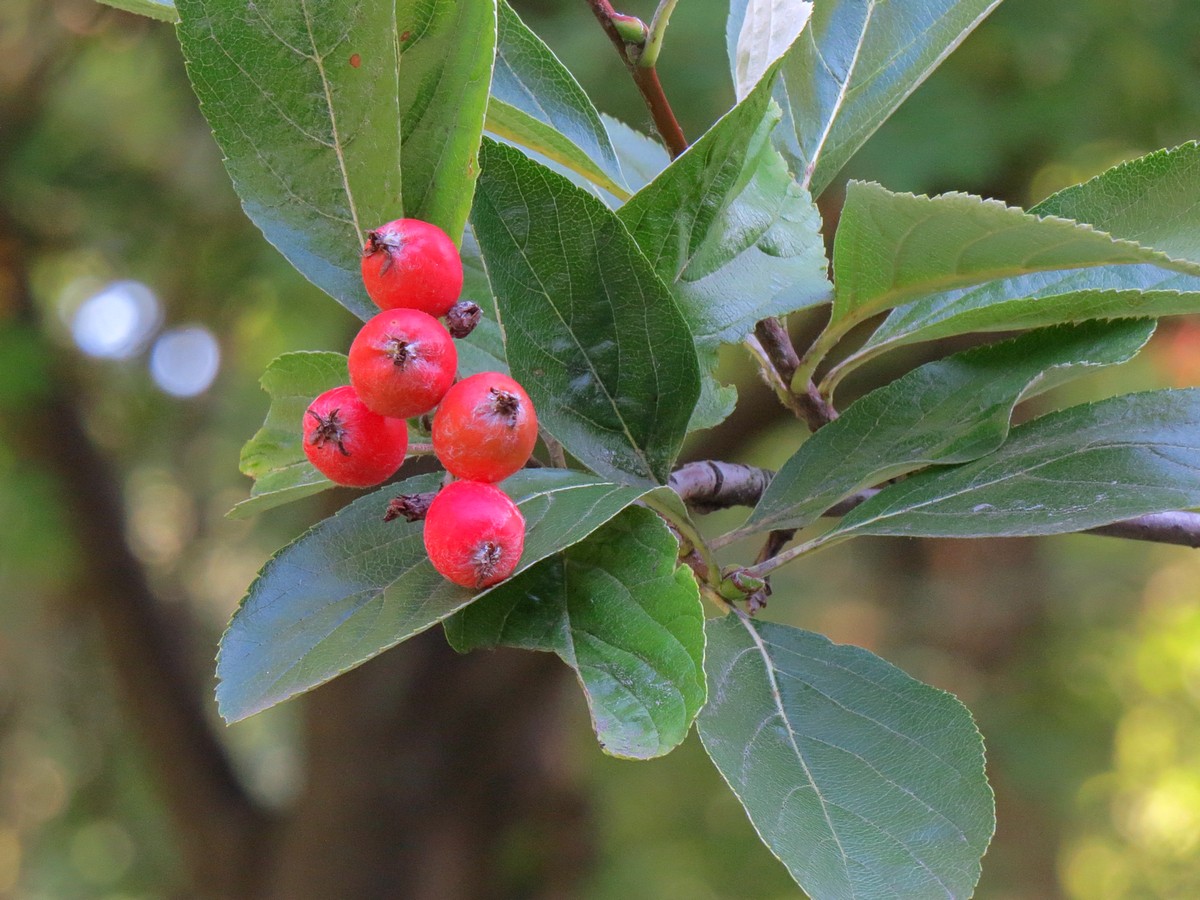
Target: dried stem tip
x=411, y=506
x=462, y=318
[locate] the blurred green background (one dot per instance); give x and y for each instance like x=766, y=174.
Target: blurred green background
x=1080, y=657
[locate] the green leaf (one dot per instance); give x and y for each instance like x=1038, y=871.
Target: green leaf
x=765, y=31
x=163, y=10
x=641, y=156
x=855, y=62
x=618, y=610
x=949, y=411
x=483, y=349
x=274, y=457
x=1032, y=301
x=447, y=51
x=523, y=130
x=354, y=585
x=891, y=248
x=863, y=781
x=1154, y=200
x=1068, y=471
x=310, y=110
x=536, y=103
x=730, y=231
x=590, y=331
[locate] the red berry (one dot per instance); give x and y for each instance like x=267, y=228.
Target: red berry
x=412, y=264
x=402, y=363
x=348, y=443
x=485, y=428
x=474, y=534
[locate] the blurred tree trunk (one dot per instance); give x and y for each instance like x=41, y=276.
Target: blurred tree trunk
x=428, y=775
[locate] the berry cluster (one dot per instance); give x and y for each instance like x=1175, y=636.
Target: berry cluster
x=403, y=363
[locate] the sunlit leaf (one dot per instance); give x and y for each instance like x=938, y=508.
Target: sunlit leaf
x=855, y=62
x=1154, y=200
x=310, y=111
x=891, y=248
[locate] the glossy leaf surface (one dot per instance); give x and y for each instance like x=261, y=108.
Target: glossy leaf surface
x=354, y=585
x=617, y=609
x=538, y=104
x=590, y=331
x=1068, y=471
x=730, y=231
x=891, y=248
x=948, y=411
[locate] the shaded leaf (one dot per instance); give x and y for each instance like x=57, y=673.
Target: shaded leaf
x=538, y=104
x=863, y=781
x=1068, y=471
x=447, y=50
x=311, y=141
x=641, y=156
x=949, y=411
x=590, y=331
x=733, y=235
x=891, y=248
x=274, y=457
x=483, y=349
x=617, y=609
x=354, y=585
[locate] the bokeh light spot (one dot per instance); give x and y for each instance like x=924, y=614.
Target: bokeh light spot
x=116, y=322
x=185, y=361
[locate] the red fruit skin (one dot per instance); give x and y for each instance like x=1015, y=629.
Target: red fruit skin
x=349, y=444
x=412, y=264
x=402, y=363
x=474, y=534
x=485, y=428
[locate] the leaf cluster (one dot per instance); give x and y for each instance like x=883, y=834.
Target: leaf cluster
x=610, y=275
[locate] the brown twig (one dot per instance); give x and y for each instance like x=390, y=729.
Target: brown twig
x=777, y=345
x=646, y=80
x=710, y=485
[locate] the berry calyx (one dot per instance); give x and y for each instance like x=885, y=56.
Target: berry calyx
x=402, y=362
x=474, y=534
x=485, y=428
x=348, y=443
x=412, y=264
x=462, y=318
